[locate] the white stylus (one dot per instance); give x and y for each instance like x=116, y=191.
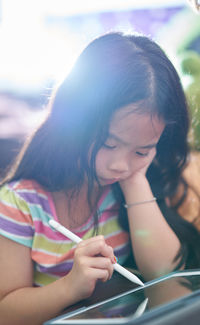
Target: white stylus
x=117, y=267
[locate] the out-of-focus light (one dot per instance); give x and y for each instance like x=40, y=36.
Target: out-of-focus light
x=31, y=53
x=195, y=4
x=63, y=7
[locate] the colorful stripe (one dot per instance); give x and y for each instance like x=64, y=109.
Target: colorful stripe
x=25, y=210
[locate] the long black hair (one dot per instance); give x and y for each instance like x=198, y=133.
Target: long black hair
x=113, y=71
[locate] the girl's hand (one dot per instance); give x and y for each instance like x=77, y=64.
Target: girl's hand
x=93, y=260
x=138, y=177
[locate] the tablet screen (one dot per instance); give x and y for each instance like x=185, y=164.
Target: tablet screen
x=141, y=300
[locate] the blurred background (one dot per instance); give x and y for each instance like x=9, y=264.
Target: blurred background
x=41, y=39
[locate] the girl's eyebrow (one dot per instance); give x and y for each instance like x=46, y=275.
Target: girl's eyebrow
x=149, y=146
x=118, y=139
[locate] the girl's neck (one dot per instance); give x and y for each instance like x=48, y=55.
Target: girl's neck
x=72, y=208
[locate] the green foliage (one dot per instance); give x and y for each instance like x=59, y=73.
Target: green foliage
x=190, y=65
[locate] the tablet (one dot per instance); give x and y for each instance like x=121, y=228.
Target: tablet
x=163, y=298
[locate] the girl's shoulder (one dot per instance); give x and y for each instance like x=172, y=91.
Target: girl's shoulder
x=23, y=195
x=23, y=206
x=24, y=189
x=26, y=185
x=15, y=215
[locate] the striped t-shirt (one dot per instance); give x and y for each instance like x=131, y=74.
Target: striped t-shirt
x=25, y=210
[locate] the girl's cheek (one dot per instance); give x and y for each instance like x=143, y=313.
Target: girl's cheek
x=139, y=163
x=102, y=160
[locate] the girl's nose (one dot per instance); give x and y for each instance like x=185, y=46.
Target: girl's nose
x=119, y=167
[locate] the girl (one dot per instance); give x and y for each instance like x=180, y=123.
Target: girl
x=116, y=134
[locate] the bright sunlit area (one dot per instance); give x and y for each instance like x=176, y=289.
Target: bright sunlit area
x=41, y=39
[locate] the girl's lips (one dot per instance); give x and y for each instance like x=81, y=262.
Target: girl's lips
x=110, y=181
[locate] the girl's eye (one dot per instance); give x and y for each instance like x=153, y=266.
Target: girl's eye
x=109, y=146
x=142, y=154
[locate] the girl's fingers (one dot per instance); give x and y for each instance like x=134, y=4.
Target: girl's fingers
x=99, y=274
x=96, y=255
x=103, y=275
x=100, y=263
x=97, y=246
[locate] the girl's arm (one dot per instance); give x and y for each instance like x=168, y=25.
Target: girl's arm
x=154, y=243
x=21, y=303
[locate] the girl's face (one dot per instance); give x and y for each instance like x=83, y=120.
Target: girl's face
x=132, y=138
